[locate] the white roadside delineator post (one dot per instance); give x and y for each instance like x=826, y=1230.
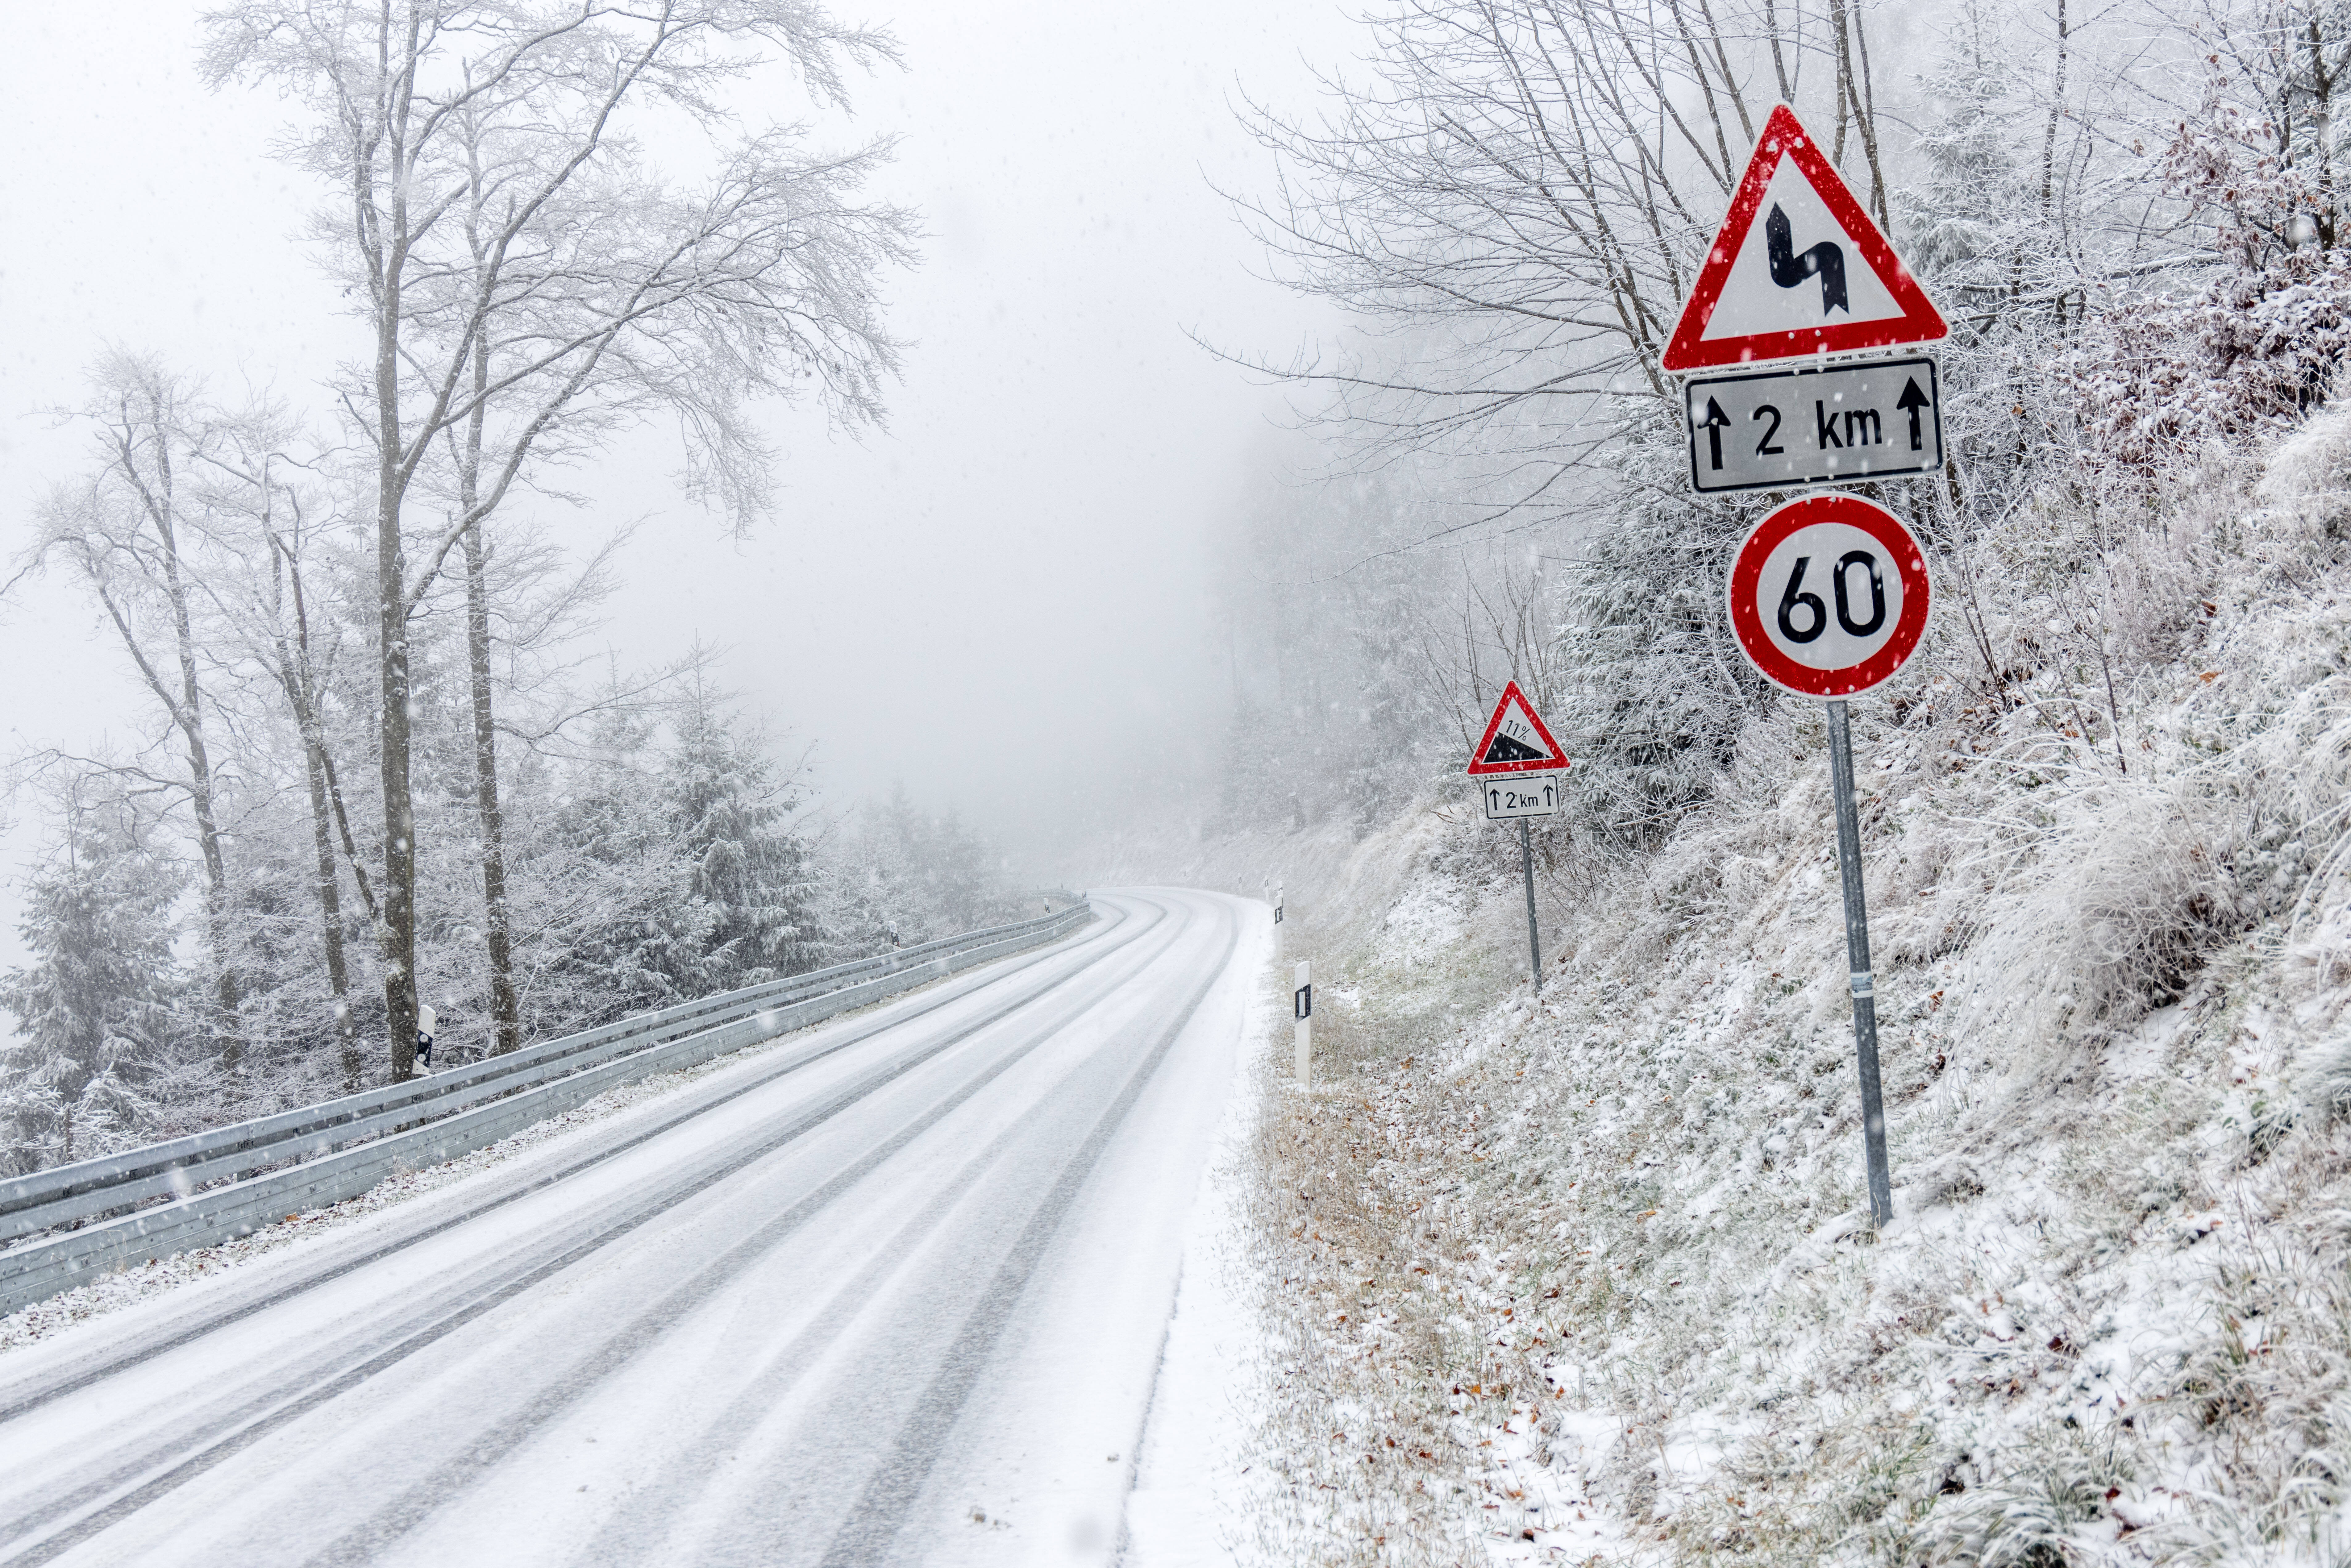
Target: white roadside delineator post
x=1301, y=1008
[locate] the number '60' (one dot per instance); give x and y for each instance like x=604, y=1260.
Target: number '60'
x=1816, y=615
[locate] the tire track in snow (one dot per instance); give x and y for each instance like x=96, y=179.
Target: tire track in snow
x=470, y=1466
x=258, y=1418
x=874, y=1522
x=146, y=1350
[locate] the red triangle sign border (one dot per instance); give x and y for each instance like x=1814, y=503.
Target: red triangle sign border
x=1785, y=138
x=1553, y=763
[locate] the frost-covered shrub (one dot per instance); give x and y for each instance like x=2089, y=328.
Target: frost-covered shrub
x=2146, y=906
x=2308, y=478
x=2326, y=1080
x=2163, y=374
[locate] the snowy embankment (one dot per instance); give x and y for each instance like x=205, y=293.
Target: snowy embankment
x=1590, y=1278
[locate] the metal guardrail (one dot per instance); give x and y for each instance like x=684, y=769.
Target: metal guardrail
x=408, y=1126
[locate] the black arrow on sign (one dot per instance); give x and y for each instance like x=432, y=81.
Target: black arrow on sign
x=1911, y=401
x=1712, y=424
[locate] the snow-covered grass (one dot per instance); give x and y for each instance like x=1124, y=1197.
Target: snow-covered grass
x=1588, y=1278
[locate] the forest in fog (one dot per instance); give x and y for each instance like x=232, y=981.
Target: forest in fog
x=384, y=767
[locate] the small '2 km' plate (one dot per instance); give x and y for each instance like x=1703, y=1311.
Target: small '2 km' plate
x=1523, y=795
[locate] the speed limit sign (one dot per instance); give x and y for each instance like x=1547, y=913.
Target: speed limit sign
x=1829, y=596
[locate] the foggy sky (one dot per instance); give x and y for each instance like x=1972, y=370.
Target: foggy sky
x=1001, y=601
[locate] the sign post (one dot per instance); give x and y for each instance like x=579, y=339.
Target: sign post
x=1828, y=597
x=1534, y=936
x=1857, y=953
x=1519, y=769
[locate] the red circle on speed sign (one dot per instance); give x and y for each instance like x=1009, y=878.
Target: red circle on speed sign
x=1829, y=596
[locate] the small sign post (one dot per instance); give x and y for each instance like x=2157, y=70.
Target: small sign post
x=1534, y=932
x=1828, y=597
x=1301, y=1008
x=1519, y=769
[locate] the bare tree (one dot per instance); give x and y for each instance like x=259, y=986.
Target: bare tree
x=130, y=534
x=258, y=476
x=683, y=307
x=1517, y=195
x=479, y=153
x=1520, y=194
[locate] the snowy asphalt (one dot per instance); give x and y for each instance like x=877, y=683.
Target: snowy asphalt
x=893, y=1290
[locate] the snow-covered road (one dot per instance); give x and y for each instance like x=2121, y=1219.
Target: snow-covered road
x=889, y=1290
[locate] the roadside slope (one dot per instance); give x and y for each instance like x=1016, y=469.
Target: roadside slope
x=1587, y=1277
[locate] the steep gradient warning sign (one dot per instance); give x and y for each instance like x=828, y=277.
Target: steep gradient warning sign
x=1516, y=740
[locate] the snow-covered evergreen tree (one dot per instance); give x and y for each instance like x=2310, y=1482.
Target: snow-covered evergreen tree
x=904, y=875
x=610, y=921
x=746, y=864
x=1970, y=221
x=97, y=1007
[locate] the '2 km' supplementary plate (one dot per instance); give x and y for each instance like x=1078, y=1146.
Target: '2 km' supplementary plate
x=1518, y=795
x=1829, y=596
x=1845, y=424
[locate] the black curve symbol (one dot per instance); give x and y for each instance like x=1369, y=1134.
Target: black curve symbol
x=1789, y=270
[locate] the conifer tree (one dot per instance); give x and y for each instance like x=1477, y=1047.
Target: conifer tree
x=619, y=922
x=96, y=1007
x=746, y=864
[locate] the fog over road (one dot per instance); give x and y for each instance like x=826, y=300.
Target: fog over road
x=893, y=1290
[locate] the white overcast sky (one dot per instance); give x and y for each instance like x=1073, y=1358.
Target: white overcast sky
x=1001, y=602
